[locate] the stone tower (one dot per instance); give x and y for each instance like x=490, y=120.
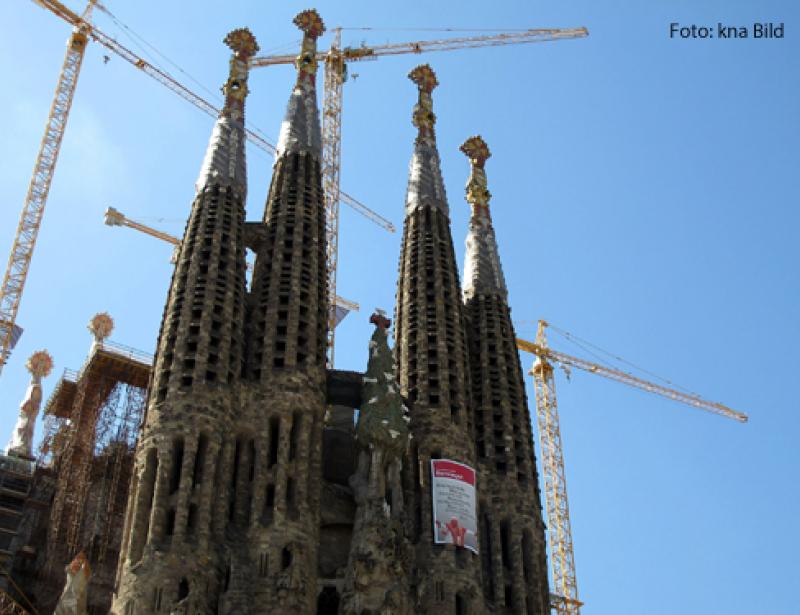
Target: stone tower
x=279, y=438
x=244, y=500
x=170, y=553
x=511, y=526
x=432, y=366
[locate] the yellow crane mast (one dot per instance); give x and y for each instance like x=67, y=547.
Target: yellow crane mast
x=336, y=60
x=564, y=598
x=31, y=218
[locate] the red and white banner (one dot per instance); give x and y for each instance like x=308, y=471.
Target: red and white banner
x=455, y=520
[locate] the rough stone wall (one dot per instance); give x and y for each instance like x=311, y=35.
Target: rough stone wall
x=167, y=556
x=286, y=363
x=202, y=329
x=510, y=512
x=288, y=301
x=432, y=366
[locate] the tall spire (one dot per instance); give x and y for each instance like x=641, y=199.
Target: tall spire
x=482, y=270
x=224, y=163
x=425, y=185
x=300, y=130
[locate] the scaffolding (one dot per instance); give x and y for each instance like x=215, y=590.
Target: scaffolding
x=92, y=423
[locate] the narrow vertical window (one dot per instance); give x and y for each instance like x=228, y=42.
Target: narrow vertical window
x=177, y=462
x=199, y=460
x=274, y=436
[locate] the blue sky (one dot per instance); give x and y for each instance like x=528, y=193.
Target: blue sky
x=645, y=198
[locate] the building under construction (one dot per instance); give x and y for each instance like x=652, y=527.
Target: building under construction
x=73, y=497
x=250, y=488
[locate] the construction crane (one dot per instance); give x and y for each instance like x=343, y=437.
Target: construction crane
x=33, y=209
x=564, y=598
x=31, y=218
x=114, y=217
x=336, y=60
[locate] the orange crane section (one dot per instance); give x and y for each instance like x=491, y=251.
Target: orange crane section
x=564, y=598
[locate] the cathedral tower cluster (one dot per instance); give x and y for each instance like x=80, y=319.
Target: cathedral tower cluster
x=244, y=499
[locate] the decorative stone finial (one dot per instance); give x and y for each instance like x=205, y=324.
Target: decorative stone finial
x=424, y=118
x=100, y=326
x=478, y=194
x=40, y=364
x=312, y=27
x=482, y=270
x=244, y=46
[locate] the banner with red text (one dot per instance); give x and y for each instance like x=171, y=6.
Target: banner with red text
x=455, y=520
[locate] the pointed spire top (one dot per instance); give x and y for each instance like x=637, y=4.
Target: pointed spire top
x=300, y=130
x=224, y=162
x=478, y=194
x=425, y=185
x=424, y=118
x=482, y=270
x=244, y=46
x=312, y=27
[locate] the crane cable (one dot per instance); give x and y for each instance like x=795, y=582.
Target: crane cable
x=133, y=36
x=588, y=346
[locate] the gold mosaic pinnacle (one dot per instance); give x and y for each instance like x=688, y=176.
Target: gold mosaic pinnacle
x=310, y=23
x=476, y=150
x=424, y=118
x=424, y=77
x=242, y=42
x=478, y=194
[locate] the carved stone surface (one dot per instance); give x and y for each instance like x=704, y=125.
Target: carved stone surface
x=433, y=374
x=510, y=514
x=251, y=494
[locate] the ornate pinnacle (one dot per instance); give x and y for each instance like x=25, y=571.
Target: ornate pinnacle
x=242, y=43
x=478, y=194
x=40, y=364
x=312, y=26
x=100, y=326
x=244, y=46
x=424, y=118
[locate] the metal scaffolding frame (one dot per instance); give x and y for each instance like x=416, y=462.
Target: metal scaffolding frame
x=92, y=423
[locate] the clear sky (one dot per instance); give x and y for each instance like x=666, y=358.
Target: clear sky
x=645, y=198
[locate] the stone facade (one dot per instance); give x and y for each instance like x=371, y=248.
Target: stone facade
x=254, y=491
